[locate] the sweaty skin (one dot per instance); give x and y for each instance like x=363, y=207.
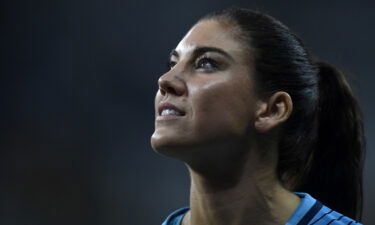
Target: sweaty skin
x=217, y=135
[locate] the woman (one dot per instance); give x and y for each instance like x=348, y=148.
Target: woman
x=263, y=129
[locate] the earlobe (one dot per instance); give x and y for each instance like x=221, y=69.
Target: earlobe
x=273, y=112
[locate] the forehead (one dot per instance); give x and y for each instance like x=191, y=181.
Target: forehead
x=210, y=33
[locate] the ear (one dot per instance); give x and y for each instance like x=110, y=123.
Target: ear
x=273, y=111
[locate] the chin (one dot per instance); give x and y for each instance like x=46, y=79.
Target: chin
x=164, y=145
x=170, y=145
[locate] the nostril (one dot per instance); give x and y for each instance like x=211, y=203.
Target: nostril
x=162, y=92
x=172, y=91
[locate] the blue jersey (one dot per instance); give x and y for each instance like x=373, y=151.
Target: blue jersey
x=309, y=212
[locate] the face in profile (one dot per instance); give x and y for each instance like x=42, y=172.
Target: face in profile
x=206, y=99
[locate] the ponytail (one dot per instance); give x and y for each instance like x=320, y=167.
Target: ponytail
x=321, y=145
x=335, y=173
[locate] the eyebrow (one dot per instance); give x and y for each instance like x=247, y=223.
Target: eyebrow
x=203, y=49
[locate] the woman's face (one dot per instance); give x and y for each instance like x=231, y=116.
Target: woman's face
x=206, y=99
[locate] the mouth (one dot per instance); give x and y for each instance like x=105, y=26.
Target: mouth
x=168, y=111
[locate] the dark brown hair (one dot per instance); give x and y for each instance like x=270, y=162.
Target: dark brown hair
x=322, y=144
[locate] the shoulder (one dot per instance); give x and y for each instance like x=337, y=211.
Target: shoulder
x=329, y=216
x=312, y=212
x=309, y=212
x=175, y=217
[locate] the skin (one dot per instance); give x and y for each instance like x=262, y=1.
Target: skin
x=227, y=136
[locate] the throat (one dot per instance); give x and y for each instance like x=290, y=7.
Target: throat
x=249, y=201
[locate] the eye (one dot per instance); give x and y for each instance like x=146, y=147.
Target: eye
x=170, y=64
x=206, y=64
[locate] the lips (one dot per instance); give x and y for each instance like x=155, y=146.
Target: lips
x=168, y=109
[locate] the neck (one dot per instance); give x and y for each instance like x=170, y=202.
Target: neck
x=238, y=195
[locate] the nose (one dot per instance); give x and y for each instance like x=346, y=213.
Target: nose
x=171, y=84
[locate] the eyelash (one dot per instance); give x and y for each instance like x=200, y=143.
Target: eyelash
x=206, y=59
x=171, y=64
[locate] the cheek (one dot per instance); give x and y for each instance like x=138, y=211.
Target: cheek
x=222, y=108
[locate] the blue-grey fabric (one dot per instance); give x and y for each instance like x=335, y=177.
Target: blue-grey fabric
x=309, y=212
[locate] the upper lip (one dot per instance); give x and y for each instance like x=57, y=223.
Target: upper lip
x=166, y=105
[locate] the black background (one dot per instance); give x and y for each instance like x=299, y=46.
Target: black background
x=77, y=82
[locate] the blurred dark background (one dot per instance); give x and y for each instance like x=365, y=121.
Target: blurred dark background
x=77, y=82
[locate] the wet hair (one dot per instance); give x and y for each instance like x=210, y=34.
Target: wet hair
x=321, y=145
